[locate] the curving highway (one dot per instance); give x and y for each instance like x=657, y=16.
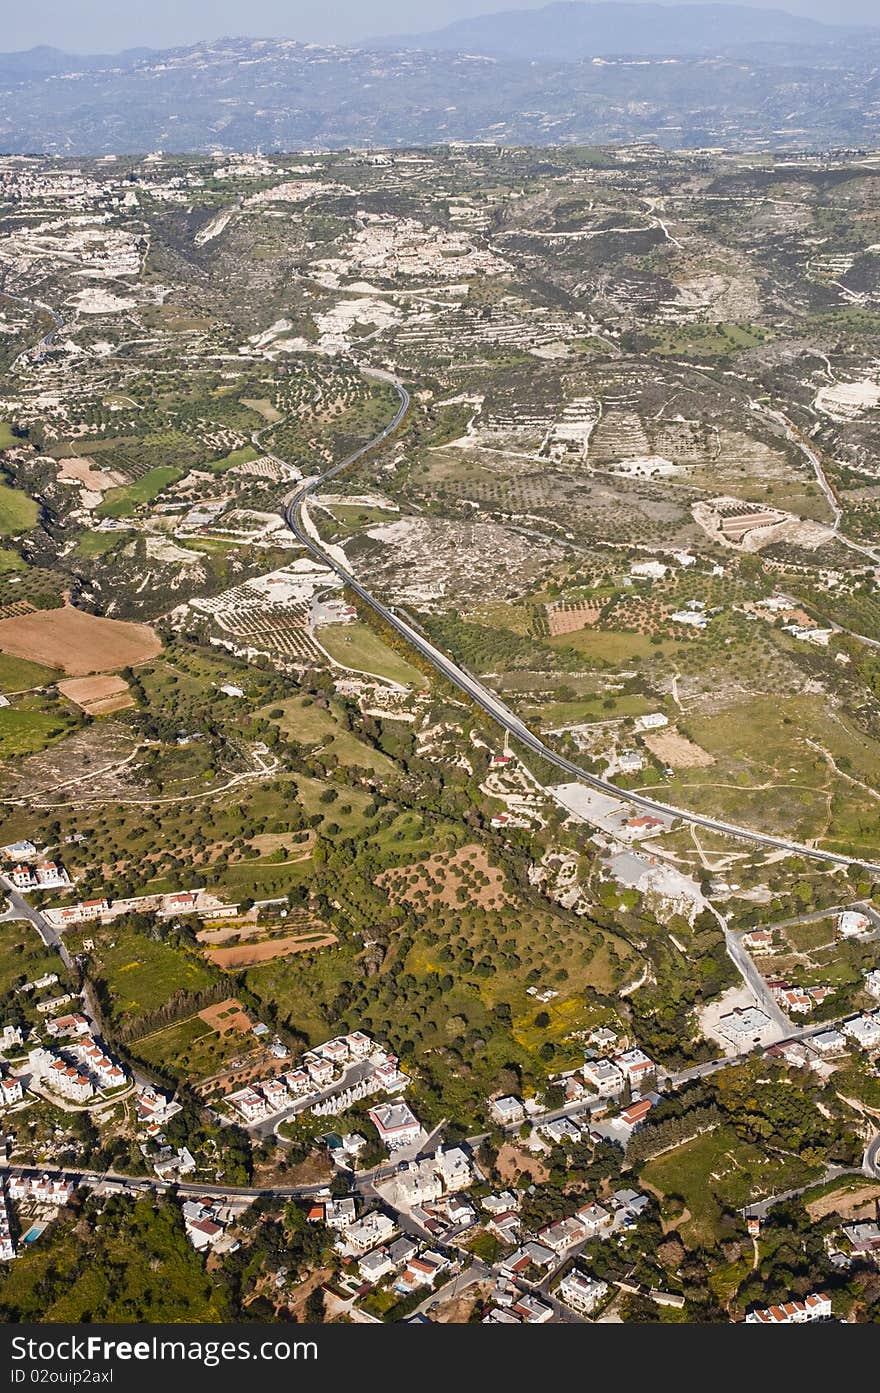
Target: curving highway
x=296, y=516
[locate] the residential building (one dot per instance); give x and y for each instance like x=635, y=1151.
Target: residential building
x=375, y=1265
x=828, y=1042
x=7, y=1247
x=340, y=1213
x=635, y=1114
x=863, y=1237
x=743, y=1026
x=360, y=1046
x=11, y=1038
x=758, y=940
x=864, y=1030
x=814, y=1307
x=562, y=1235
x=531, y=1310
x=583, y=1294
x=648, y=570
x=654, y=720
x=76, y=1025
x=604, y=1075
x=560, y=1130
x=369, y=1232
x=507, y=1110
x=530, y=1254
x=593, y=1219
x=203, y=1233
x=396, y=1124
x=10, y=1091
x=68, y=1081
x=872, y=982
x=636, y=1066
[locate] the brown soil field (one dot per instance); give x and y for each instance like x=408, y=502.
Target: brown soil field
x=441, y=876
x=571, y=618
x=512, y=1159
x=77, y=642
x=216, y=1016
x=98, y=696
x=247, y=954
x=849, y=1204
x=678, y=751
x=86, y=471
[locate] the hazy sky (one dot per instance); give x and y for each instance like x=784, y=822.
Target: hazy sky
x=104, y=26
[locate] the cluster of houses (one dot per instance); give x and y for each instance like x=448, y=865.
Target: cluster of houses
x=45, y=875
x=537, y=1256
x=801, y=1000
x=814, y=1307
x=512, y=1306
x=374, y=1247
x=82, y=1069
x=330, y=1066
x=153, y=1109
x=52, y=1190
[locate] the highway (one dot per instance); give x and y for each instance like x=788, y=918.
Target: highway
x=296, y=516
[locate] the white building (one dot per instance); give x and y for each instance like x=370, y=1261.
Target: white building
x=655, y=720
x=852, y=923
x=10, y=1091
x=508, y=1110
x=828, y=1042
x=648, y=570
x=636, y=1065
x=744, y=1026
x=604, y=1075
x=581, y=1293
x=816, y=1306
x=370, y=1231
x=872, y=982
x=396, y=1124
x=865, y=1030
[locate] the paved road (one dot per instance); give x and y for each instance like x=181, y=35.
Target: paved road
x=50, y=936
x=488, y=701
x=37, y=306
x=757, y=985
x=871, y=1162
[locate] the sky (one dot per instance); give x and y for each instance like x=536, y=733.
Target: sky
x=106, y=26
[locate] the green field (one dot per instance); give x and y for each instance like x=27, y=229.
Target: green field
x=91, y=544
x=141, y=974
x=17, y=674
x=18, y=513
x=718, y=1171
x=7, y=438
x=613, y=646
x=708, y=340
x=22, y=954
x=242, y=456
x=304, y=721
x=356, y=646
x=10, y=561
x=125, y=501
x=23, y=731
x=190, y=1049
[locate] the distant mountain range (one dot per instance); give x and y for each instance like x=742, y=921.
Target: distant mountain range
x=682, y=75
x=569, y=30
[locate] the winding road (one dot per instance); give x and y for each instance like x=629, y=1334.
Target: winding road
x=297, y=518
